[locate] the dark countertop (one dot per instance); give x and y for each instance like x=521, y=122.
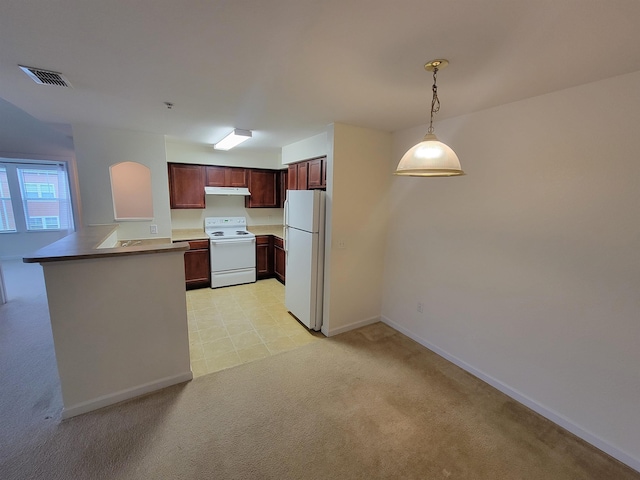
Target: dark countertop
x=84, y=244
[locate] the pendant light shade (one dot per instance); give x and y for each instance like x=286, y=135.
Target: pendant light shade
x=431, y=157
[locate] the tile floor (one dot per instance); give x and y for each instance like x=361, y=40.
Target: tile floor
x=233, y=325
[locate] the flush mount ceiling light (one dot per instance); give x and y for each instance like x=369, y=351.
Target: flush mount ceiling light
x=431, y=157
x=234, y=139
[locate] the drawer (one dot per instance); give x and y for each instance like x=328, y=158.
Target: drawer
x=278, y=242
x=197, y=244
x=262, y=239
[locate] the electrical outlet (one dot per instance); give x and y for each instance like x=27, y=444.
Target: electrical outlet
x=153, y=229
x=420, y=307
x=341, y=244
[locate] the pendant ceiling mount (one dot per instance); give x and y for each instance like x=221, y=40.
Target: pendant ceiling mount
x=431, y=157
x=438, y=64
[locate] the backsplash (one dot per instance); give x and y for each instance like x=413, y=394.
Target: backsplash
x=223, y=206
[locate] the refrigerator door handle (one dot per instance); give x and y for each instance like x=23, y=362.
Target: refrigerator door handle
x=286, y=223
x=286, y=212
x=286, y=237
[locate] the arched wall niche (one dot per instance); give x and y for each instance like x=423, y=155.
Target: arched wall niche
x=131, y=191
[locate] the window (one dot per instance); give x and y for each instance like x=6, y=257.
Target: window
x=7, y=221
x=44, y=223
x=41, y=189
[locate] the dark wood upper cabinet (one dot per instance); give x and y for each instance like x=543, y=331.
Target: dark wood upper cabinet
x=308, y=174
x=297, y=176
x=324, y=172
x=263, y=185
x=283, y=182
x=268, y=187
x=226, y=176
x=215, y=176
x=292, y=177
x=302, y=176
x=314, y=173
x=186, y=185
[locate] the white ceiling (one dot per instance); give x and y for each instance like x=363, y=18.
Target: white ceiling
x=287, y=68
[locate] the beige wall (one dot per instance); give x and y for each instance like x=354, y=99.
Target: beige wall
x=357, y=197
x=97, y=148
x=225, y=206
x=315, y=146
x=182, y=152
x=529, y=266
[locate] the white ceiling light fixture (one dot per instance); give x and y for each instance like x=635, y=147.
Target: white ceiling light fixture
x=234, y=139
x=431, y=157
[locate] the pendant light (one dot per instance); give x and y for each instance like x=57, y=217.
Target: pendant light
x=431, y=157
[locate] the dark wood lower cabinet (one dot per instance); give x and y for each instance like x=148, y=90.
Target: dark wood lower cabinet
x=197, y=271
x=270, y=257
x=279, y=259
x=264, y=264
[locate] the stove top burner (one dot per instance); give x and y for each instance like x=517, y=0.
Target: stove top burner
x=227, y=228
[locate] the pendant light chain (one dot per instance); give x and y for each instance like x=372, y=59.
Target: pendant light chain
x=431, y=157
x=435, y=101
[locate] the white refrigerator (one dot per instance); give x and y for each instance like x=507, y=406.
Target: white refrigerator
x=304, y=217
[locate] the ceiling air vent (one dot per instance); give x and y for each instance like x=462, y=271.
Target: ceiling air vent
x=45, y=77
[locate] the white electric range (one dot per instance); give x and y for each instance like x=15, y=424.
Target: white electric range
x=233, y=251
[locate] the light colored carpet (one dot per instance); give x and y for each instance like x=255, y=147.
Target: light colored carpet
x=366, y=404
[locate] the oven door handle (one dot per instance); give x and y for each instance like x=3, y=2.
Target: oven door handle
x=232, y=242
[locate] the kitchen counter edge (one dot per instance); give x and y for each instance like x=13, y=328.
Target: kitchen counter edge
x=84, y=243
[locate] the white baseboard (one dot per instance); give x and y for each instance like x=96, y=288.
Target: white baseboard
x=110, y=399
x=518, y=396
x=351, y=326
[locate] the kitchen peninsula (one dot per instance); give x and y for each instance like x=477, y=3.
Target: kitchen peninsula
x=118, y=316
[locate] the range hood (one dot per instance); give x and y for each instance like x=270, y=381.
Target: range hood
x=226, y=191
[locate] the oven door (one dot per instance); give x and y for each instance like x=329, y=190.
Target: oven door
x=233, y=254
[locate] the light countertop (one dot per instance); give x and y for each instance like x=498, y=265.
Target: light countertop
x=181, y=235
x=275, y=230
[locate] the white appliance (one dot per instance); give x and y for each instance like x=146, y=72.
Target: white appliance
x=233, y=251
x=304, y=217
x=226, y=191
